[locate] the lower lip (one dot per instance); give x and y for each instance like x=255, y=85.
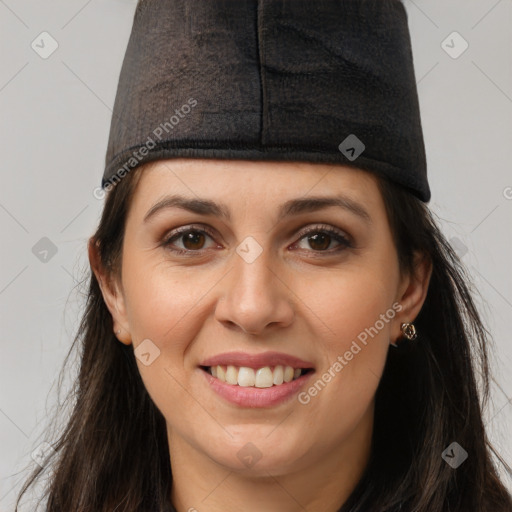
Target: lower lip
x=256, y=397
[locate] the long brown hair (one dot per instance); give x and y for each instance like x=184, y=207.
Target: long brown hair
x=113, y=454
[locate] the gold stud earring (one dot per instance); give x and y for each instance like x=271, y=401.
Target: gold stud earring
x=409, y=332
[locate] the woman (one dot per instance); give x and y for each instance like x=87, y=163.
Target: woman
x=274, y=320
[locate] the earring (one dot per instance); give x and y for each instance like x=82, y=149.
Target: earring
x=118, y=331
x=409, y=332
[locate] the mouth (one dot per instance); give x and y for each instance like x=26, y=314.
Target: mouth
x=262, y=377
x=264, y=380
x=264, y=370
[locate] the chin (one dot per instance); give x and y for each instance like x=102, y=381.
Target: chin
x=256, y=453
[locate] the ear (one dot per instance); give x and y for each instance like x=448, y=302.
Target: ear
x=112, y=294
x=412, y=293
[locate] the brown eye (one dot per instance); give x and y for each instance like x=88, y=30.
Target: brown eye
x=192, y=240
x=319, y=239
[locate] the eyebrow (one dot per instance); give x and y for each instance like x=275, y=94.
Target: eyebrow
x=292, y=207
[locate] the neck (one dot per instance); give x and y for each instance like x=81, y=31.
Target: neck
x=320, y=484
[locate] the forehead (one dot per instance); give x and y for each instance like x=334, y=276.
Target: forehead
x=241, y=182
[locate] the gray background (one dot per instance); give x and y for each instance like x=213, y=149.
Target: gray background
x=55, y=118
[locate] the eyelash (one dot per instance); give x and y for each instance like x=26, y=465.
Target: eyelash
x=343, y=240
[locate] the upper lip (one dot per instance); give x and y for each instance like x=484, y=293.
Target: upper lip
x=256, y=360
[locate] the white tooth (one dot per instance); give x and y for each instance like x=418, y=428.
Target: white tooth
x=245, y=377
x=221, y=374
x=288, y=374
x=263, y=378
x=232, y=375
x=260, y=378
x=278, y=375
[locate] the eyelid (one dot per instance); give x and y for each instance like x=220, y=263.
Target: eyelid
x=325, y=228
x=190, y=227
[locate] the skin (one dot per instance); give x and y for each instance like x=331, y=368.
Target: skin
x=311, y=302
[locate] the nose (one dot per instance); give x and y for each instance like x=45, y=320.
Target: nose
x=255, y=296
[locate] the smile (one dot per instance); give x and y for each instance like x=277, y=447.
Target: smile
x=264, y=377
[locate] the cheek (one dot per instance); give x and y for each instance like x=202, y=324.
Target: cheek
x=357, y=308
x=163, y=304
x=160, y=300
x=349, y=302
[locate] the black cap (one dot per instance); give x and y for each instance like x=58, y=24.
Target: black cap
x=317, y=81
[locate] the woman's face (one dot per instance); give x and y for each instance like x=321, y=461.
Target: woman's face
x=276, y=265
